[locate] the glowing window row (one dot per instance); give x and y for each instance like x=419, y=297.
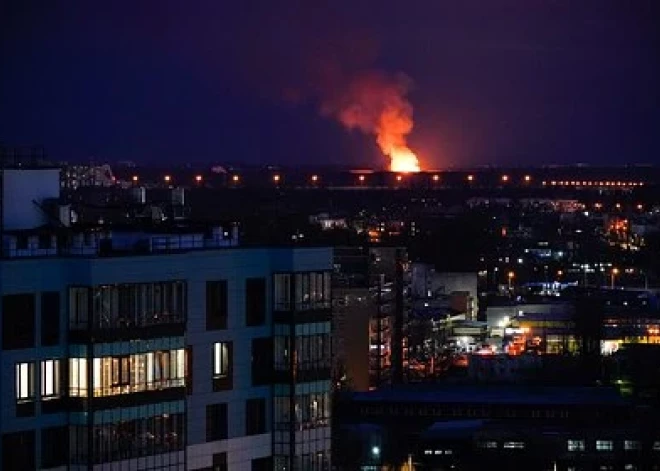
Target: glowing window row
x=128, y=374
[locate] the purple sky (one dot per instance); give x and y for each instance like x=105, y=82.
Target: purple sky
x=524, y=82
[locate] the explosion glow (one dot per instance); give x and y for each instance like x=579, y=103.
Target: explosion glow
x=375, y=103
x=403, y=160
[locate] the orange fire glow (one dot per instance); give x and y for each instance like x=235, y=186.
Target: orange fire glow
x=377, y=104
x=403, y=160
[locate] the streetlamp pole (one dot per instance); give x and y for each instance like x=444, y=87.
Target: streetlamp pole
x=615, y=272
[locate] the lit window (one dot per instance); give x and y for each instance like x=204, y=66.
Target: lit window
x=575, y=445
x=631, y=445
x=24, y=382
x=513, y=445
x=604, y=445
x=50, y=379
x=220, y=360
x=488, y=444
x=78, y=377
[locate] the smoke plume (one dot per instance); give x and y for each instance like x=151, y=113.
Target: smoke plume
x=377, y=104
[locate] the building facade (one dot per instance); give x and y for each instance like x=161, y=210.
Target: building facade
x=170, y=350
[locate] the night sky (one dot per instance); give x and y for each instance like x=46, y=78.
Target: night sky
x=526, y=82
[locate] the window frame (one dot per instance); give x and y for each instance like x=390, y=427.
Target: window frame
x=54, y=365
x=24, y=372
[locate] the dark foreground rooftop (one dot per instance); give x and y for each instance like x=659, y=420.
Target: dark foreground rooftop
x=488, y=394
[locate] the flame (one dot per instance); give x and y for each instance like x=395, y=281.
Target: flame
x=403, y=160
x=375, y=103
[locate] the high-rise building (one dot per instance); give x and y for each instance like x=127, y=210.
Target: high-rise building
x=156, y=347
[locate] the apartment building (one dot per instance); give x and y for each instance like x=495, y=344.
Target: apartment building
x=160, y=347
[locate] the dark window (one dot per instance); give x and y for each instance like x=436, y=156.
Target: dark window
x=18, y=321
x=262, y=464
x=216, y=422
x=262, y=360
x=220, y=462
x=216, y=305
x=50, y=318
x=21, y=242
x=54, y=447
x=255, y=301
x=44, y=241
x=255, y=416
x=18, y=450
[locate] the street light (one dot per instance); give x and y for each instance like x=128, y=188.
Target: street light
x=615, y=272
x=511, y=276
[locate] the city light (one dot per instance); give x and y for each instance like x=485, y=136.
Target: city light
x=505, y=178
x=436, y=178
x=167, y=178
x=235, y=178
x=198, y=178
x=528, y=178
x=135, y=178
x=276, y=178
x=470, y=178
x=315, y=178
x=361, y=178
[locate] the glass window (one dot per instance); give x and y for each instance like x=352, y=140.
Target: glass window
x=312, y=290
x=78, y=377
x=221, y=360
x=50, y=318
x=24, y=381
x=216, y=422
x=255, y=301
x=217, y=308
x=604, y=445
x=139, y=372
x=50, y=379
x=631, y=445
x=513, y=445
x=575, y=445
x=282, y=291
x=255, y=416
x=488, y=444
x=78, y=307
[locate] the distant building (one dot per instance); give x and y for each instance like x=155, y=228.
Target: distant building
x=459, y=288
x=368, y=315
x=493, y=427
